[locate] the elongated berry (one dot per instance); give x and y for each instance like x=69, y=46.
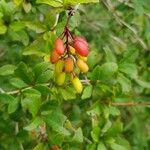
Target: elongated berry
x=69, y=65
x=82, y=57
x=79, y=38
x=81, y=48
x=59, y=46
x=60, y=79
x=82, y=66
x=77, y=84
x=72, y=50
x=59, y=66
x=54, y=57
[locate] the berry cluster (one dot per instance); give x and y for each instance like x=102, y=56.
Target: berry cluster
x=69, y=56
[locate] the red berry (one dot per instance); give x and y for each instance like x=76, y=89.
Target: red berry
x=54, y=57
x=79, y=38
x=59, y=46
x=81, y=48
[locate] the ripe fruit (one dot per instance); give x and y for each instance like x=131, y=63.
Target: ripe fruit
x=81, y=47
x=82, y=66
x=54, y=57
x=69, y=65
x=59, y=46
x=79, y=38
x=70, y=56
x=77, y=84
x=59, y=66
x=60, y=79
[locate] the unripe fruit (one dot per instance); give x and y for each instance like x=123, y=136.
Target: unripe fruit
x=77, y=84
x=81, y=48
x=72, y=50
x=82, y=57
x=59, y=46
x=69, y=65
x=60, y=79
x=59, y=66
x=54, y=57
x=82, y=66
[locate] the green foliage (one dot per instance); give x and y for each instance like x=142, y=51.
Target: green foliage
x=37, y=114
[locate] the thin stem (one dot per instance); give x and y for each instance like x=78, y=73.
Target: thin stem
x=56, y=22
x=120, y=21
x=130, y=103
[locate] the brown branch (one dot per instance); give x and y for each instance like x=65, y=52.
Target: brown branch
x=120, y=21
x=130, y=103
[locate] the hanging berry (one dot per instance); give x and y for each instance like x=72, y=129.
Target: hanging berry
x=70, y=52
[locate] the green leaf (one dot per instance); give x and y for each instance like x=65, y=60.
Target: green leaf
x=18, y=83
x=32, y=101
x=17, y=26
x=68, y=93
x=37, y=47
x=143, y=84
x=93, y=59
x=78, y=136
x=53, y=3
x=13, y=105
x=110, y=57
x=115, y=146
x=3, y=28
x=20, y=36
x=95, y=109
x=124, y=142
x=45, y=77
x=107, y=126
x=87, y=92
x=24, y=73
x=74, y=2
x=27, y=7
x=101, y=146
x=41, y=67
x=95, y=134
x=35, y=123
x=39, y=146
x=17, y=2
x=7, y=70
x=35, y=26
x=32, y=93
x=114, y=111
x=130, y=55
x=129, y=68
x=5, y=98
x=56, y=121
x=124, y=82
x=115, y=129
x=43, y=89
x=105, y=71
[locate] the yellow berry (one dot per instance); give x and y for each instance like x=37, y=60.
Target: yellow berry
x=59, y=66
x=82, y=57
x=60, y=79
x=77, y=84
x=82, y=66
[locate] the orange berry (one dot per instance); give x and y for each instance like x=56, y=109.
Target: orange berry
x=54, y=57
x=59, y=46
x=69, y=65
